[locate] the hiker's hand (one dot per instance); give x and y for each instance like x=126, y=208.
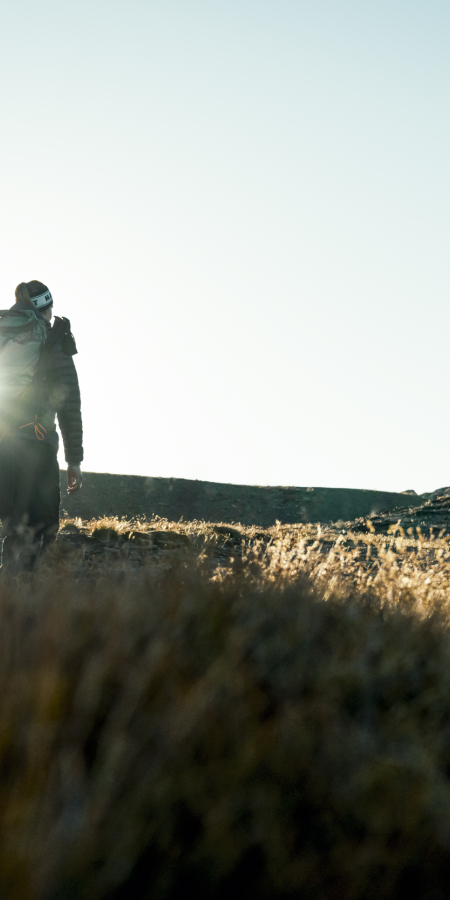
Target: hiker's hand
x=74, y=479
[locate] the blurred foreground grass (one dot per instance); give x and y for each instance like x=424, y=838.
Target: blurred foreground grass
x=229, y=713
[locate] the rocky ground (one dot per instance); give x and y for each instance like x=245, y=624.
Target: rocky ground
x=430, y=519
x=132, y=544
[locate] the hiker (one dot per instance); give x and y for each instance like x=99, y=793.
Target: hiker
x=38, y=380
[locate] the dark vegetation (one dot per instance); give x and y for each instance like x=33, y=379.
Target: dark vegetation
x=226, y=713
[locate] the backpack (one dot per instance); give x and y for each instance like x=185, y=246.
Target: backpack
x=22, y=338
x=25, y=346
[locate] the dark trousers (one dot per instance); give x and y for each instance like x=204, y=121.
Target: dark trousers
x=29, y=501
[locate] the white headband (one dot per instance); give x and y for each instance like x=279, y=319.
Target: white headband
x=42, y=300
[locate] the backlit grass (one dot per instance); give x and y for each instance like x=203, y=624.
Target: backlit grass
x=246, y=714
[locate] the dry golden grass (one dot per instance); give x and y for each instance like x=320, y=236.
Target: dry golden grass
x=247, y=713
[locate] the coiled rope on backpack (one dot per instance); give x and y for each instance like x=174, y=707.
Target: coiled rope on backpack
x=38, y=429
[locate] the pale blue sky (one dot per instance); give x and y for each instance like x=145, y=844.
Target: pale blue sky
x=243, y=207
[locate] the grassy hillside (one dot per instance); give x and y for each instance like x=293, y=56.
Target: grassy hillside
x=228, y=712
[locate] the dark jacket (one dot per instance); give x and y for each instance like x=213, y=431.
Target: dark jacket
x=56, y=393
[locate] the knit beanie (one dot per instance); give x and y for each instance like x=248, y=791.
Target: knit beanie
x=34, y=295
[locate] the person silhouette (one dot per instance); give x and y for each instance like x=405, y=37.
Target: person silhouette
x=29, y=472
